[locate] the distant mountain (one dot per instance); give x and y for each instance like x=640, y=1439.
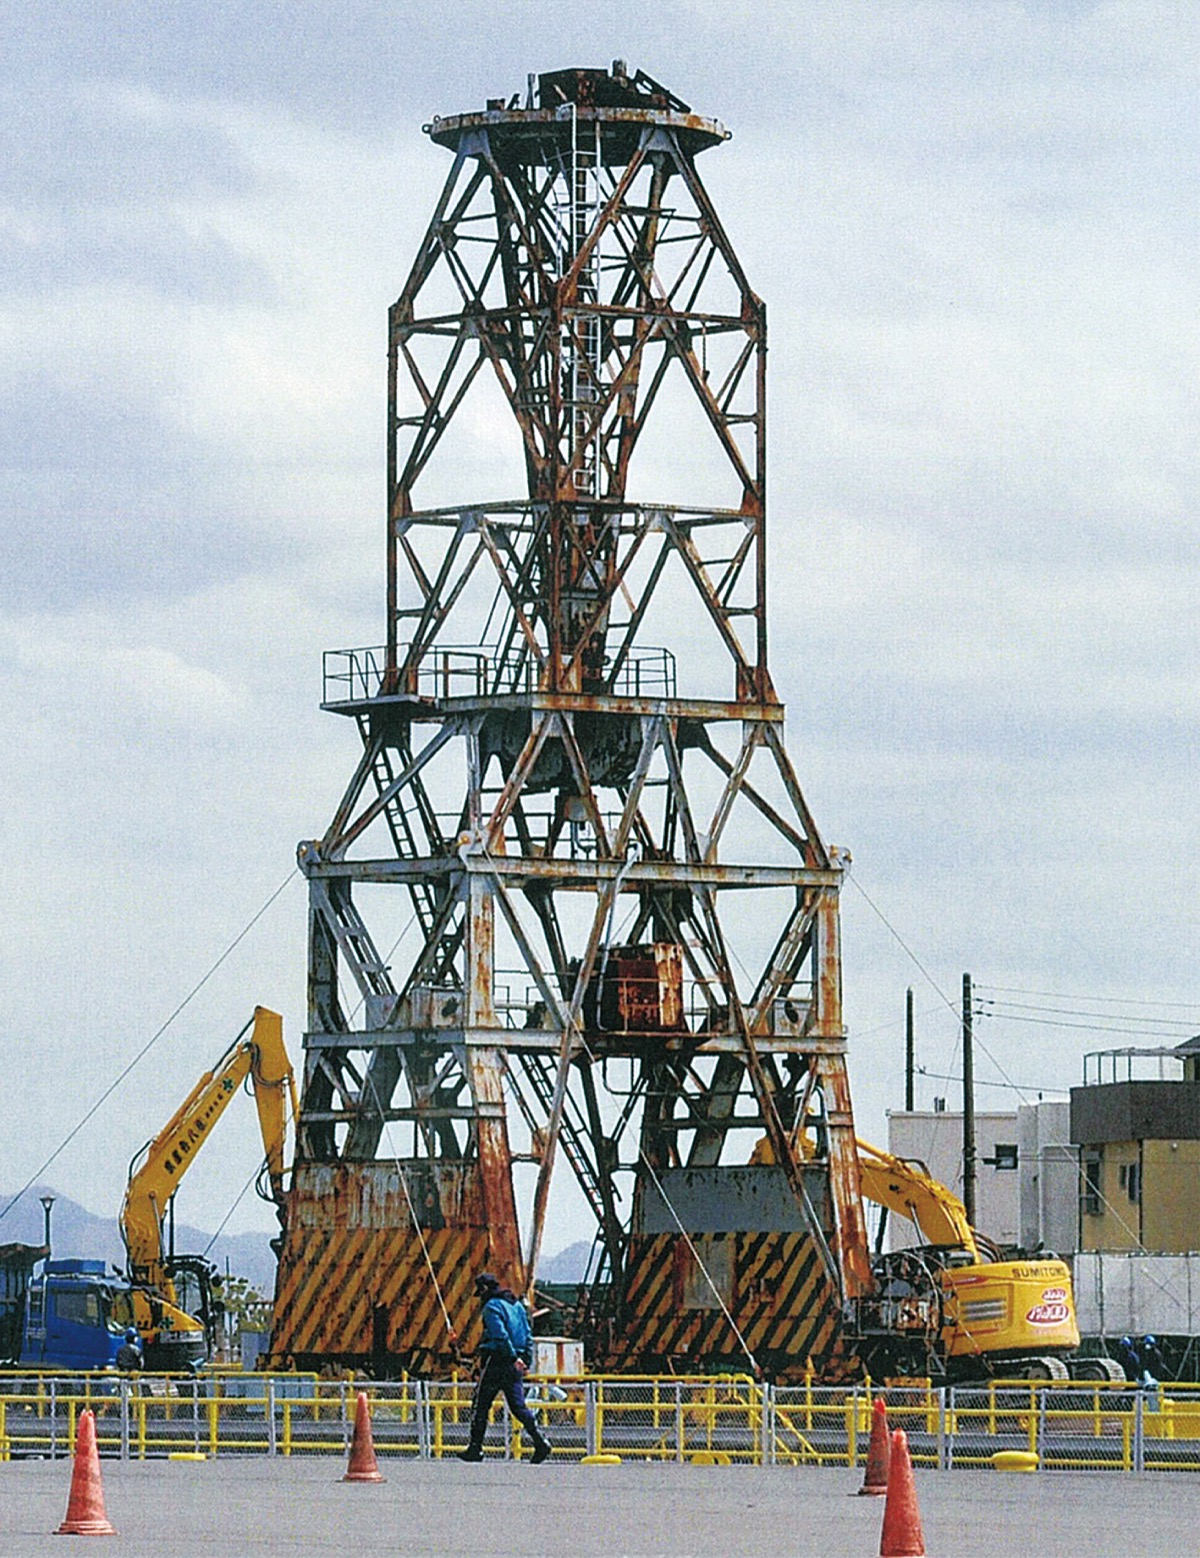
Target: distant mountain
x=76, y=1232
x=569, y=1265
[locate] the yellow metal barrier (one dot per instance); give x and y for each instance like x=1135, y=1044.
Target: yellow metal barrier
x=703, y=1420
x=799, y=1424
x=666, y=1418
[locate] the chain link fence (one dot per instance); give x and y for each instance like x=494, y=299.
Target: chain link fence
x=718, y=1420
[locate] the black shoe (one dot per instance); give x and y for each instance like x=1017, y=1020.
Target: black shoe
x=541, y=1451
x=472, y=1453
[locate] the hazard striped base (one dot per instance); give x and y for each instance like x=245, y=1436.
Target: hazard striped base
x=773, y=1285
x=357, y=1285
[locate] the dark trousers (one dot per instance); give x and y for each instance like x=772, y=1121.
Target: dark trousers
x=500, y=1374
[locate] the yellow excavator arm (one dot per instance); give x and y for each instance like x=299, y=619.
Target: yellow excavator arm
x=156, y=1172
x=907, y=1190
x=983, y=1315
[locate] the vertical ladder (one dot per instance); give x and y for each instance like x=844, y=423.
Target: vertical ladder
x=540, y=1071
x=576, y=205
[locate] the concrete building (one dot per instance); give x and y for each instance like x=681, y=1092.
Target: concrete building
x=1138, y=1138
x=1048, y=1177
x=1027, y=1171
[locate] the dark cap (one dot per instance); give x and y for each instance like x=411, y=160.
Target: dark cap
x=486, y=1283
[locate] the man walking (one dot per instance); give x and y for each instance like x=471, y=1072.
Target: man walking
x=507, y=1352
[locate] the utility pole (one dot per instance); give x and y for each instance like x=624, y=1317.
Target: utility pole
x=968, y=1045
x=908, y=1051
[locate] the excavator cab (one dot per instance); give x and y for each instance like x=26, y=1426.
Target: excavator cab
x=198, y=1285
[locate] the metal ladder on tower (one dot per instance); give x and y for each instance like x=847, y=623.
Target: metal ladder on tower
x=540, y=1071
x=576, y=204
x=405, y=843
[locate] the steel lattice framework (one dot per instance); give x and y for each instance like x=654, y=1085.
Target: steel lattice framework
x=569, y=832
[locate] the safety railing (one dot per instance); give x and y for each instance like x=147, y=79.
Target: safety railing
x=715, y=1420
x=453, y=671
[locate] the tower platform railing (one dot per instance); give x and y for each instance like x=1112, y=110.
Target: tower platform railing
x=352, y=676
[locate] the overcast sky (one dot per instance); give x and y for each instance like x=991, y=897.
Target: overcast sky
x=975, y=227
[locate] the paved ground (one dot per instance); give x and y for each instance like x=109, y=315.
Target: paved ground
x=256, y=1508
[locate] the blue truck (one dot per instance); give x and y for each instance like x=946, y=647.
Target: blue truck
x=71, y=1314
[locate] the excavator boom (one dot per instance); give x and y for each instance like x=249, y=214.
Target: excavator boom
x=906, y=1190
x=160, y=1166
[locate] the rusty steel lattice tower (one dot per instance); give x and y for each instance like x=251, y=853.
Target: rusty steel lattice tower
x=571, y=833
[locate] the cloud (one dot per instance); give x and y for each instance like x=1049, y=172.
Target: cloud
x=145, y=681
x=81, y=146
x=973, y=227
x=185, y=360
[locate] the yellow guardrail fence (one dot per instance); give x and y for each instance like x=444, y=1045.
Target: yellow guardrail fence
x=705, y=1420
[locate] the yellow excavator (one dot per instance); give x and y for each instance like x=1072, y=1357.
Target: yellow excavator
x=953, y=1304
x=175, y=1299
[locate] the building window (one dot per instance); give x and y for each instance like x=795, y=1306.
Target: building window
x=1005, y=1156
x=1089, y=1199
x=1131, y=1181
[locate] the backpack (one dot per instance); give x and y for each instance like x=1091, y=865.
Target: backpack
x=520, y=1334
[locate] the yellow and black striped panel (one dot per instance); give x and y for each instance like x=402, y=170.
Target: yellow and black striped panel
x=334, y=1281
x=774, y=1286
x=356, y=1279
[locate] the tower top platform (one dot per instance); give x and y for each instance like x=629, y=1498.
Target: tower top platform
x=623, y=107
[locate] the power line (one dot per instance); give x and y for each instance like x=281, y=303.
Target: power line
x=149, y=1044
x=1076, y=1011
x=1017, y=1087
x=1109, y=1000
x=895, y=1022
x=1085, y=1027
x=854, y=882
x=956, y=1009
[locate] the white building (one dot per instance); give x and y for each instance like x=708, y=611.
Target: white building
x=1026, y=1171
x=935, y=1138
x=1048, y=1171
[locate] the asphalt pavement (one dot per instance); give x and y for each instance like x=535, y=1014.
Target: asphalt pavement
x=258, y=1507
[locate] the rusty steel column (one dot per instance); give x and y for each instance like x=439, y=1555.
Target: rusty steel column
x=573, y=929
x=845, y=1176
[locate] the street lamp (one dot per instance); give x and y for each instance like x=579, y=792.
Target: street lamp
x=47, y=1203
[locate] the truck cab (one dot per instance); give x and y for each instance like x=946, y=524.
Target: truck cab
x=75, y=1316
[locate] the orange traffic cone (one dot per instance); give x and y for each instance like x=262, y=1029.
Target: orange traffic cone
x=902, y=1536
x=363, y=1465
x=878, y=1452
x=85, y=1506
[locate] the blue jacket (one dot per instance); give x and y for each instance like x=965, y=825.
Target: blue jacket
x=506, y=1329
